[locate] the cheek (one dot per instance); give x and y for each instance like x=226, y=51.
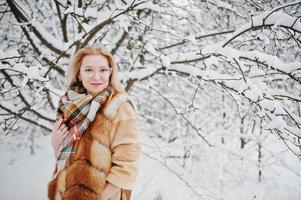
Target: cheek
x=106, y=80
x=85, y=84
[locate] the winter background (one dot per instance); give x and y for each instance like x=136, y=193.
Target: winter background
x=216, y=84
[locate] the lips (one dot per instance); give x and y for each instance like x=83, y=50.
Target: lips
x=96, y=84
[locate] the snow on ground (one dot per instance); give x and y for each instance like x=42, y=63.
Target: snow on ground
x=24, y=177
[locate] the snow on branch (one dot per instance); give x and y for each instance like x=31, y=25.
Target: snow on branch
x=22, y=16
x=29, y=73
x=110, y=16
x=269, y=60
x=268, y=19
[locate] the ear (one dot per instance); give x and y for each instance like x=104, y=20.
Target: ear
x=78, y=76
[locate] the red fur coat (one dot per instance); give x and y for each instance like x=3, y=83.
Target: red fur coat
x=107, y=152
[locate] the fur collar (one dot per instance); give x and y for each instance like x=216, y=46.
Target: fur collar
x=113, y=104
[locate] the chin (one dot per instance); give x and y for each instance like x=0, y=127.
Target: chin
x=94, y=92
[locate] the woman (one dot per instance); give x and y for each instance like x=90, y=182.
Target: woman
x=95, y=137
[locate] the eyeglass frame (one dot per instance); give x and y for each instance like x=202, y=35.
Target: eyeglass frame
x=100, y=68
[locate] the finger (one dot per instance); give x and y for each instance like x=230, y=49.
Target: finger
x=59, y=118
x=58, y=122
x=61, y=130
x=55, y=126
x=64, y=129
x=62, y=125
x=57, y=131
x=65, y=135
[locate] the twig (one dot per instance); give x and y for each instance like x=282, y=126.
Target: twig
x=189, y=122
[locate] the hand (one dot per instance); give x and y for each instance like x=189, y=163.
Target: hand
x=59, y=132
x=103, y=198
x=109, y=191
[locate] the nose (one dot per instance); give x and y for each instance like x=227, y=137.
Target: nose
x=96, y=75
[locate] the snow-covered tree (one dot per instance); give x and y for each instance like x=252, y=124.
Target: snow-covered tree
x=214, y=82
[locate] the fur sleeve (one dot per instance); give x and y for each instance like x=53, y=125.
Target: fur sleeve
x=125, y=147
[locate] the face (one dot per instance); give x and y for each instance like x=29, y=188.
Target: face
x=95, y=73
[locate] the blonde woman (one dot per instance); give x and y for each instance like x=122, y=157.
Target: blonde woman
x=95, y=136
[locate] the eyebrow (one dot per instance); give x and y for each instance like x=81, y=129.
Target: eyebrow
x=96, y=67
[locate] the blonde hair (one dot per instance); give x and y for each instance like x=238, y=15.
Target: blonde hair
x=76, y=61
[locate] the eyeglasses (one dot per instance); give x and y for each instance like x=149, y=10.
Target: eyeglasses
x=90, y=71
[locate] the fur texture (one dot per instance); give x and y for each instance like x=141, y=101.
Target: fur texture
x=107, y=152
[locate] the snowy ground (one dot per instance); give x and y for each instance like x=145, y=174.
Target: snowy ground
x=24, y=177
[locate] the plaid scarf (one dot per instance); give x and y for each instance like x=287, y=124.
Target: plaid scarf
x=78, y=111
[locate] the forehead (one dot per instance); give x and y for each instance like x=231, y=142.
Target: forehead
x=95, y=61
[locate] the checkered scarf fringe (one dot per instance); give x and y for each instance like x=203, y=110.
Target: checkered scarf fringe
x=78, y=110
